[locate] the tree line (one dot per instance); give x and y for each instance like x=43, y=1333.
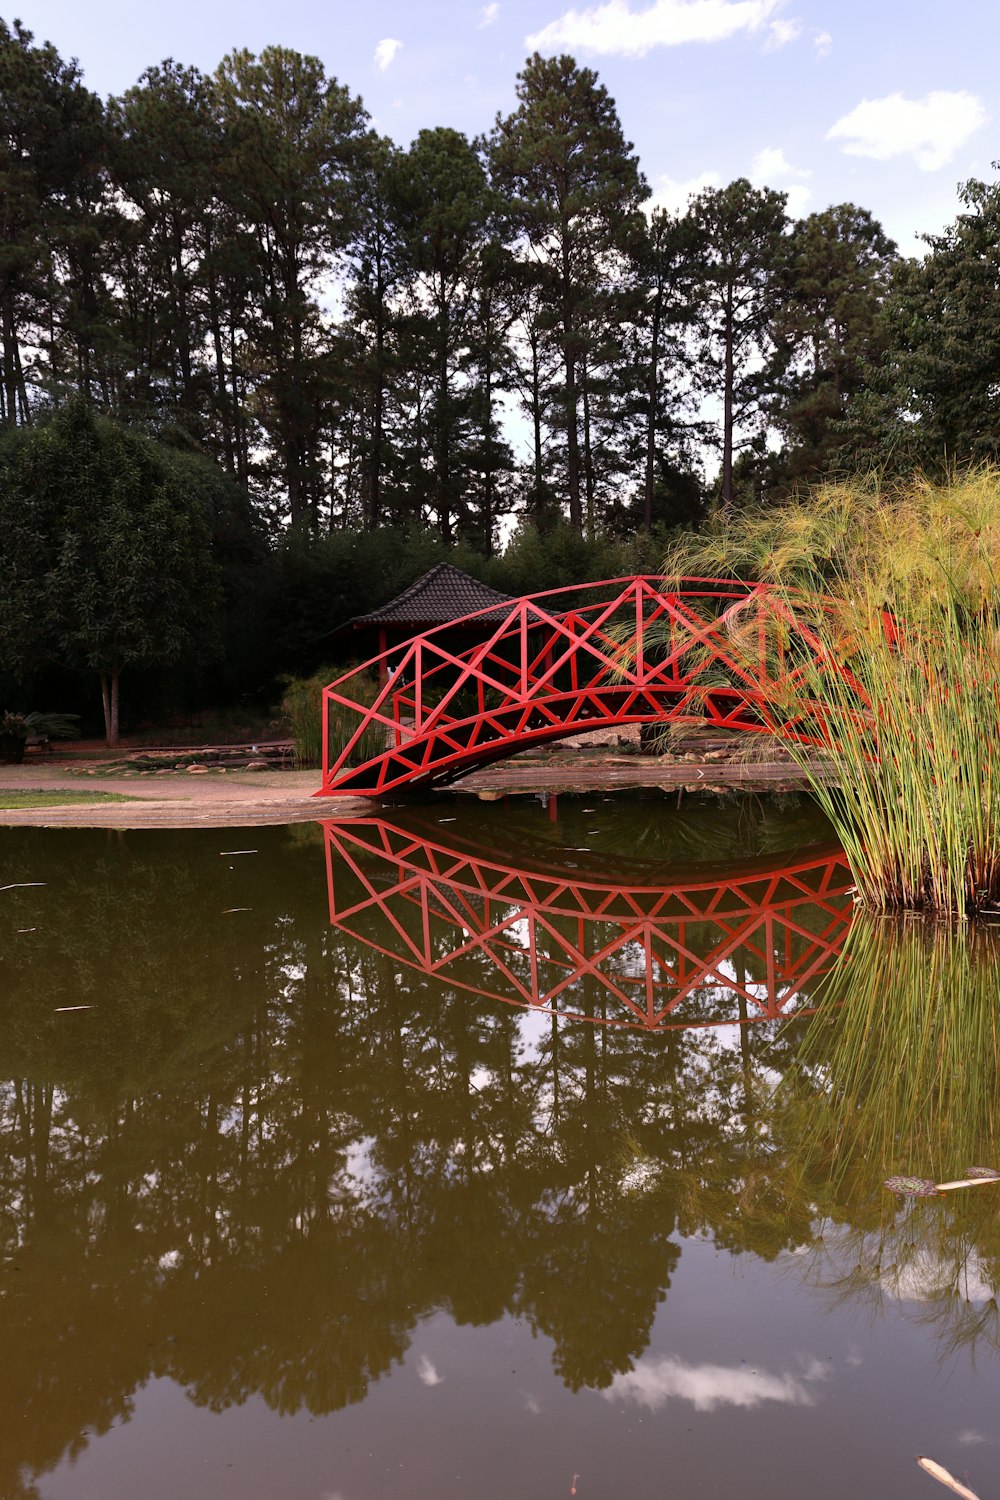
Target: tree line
x=344, y=350
x=353, y=330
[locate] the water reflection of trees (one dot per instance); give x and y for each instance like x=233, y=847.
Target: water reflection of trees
x=268, y=1150
x=242, y=1168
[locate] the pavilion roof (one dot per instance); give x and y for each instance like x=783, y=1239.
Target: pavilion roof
x=443, y=594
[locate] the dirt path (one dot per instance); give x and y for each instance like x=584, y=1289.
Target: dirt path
x=173, y=800
x=179, y=799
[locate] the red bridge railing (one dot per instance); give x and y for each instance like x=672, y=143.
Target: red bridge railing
x=624, y=651
x=617, y=946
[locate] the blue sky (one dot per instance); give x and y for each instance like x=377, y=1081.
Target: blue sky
x=888, y=103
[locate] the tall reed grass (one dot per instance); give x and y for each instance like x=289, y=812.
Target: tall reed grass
x=912, y=787
x=905, y=582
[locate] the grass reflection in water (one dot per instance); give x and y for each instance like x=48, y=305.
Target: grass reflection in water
x=899, y=1076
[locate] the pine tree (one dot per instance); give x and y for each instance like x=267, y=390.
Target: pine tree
x=931, y=398
x=740, y=233
x=52, y=165
x=444, y=207
x=294, y=138
x=573, y=190
x=837, y=272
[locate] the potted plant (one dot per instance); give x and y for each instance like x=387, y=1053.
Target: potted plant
x=16, y=729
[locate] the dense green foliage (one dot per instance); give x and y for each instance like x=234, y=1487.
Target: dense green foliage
x=170, y=255
x=106, y=551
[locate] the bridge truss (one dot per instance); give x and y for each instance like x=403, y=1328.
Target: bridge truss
x=626, y=651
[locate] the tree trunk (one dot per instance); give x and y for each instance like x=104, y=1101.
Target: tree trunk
x=444, y=426
x=374, y=496
x=488, y=455
x=588, y=457
x=536, y=421
x=109, y=698
x=653, y=393
x=9, y=338
x=727, y=408
x=572, y=446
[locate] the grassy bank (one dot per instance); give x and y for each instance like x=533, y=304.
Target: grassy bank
x=14, y=801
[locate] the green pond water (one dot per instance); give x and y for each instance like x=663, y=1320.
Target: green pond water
x=482, y=1151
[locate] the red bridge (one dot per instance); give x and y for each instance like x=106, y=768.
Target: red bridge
x=616, y=944
x=626, y=651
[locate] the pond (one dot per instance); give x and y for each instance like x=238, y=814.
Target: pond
x=498, y=1150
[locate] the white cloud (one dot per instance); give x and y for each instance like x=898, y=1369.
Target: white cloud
x=822, y=42
x=771, y=165
x=654, y=1382
x=385, y=52
x=771, y=168
x=674, y=194
x=488, y=14
x=426, y=1371
x=614, y=28
x=926, y=1277
x=930, y=129
x=780, y=33
x=797, y=200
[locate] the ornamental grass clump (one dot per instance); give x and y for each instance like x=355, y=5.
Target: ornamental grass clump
x=302, y=707
x=902, y=587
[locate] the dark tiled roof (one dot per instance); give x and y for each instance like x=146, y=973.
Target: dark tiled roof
x=445, y=593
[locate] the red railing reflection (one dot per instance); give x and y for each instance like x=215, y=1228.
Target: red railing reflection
x=611, y=947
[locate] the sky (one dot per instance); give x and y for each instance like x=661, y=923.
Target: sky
x=889, y=104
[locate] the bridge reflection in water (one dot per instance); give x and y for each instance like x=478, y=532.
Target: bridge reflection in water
x=601, y=938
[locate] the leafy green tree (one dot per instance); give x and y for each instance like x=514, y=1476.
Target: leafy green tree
x=930, y=400
x=104, y=553
x=572, y=189
x=740, y=233
x=836, y=274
